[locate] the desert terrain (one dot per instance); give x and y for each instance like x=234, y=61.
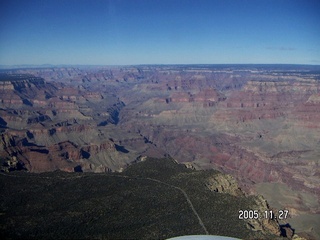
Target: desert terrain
x=257, y=123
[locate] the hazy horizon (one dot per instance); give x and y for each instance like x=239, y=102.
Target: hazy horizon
x=17, y=66
x=82, y=32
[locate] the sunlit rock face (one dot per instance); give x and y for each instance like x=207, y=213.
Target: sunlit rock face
x=48, y=126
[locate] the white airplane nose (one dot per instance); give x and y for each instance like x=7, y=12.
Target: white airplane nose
x=203, y=237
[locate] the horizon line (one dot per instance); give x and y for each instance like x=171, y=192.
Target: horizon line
x=6, y=66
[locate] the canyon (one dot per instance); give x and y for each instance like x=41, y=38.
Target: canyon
x=257, y=123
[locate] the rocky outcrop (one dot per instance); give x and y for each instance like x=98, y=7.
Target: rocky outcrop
x=11, y=164
x=223, y=183
x=93, y=149
x=48, y=125
x=19, y=90
x=307, y=114
x=264, y=224
x=64, y=155
x=208, y=97
x=271, y=99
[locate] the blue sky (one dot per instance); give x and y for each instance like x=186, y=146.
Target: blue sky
x=159, y=31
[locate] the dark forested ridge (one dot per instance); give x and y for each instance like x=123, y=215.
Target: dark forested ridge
x=154, y=199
